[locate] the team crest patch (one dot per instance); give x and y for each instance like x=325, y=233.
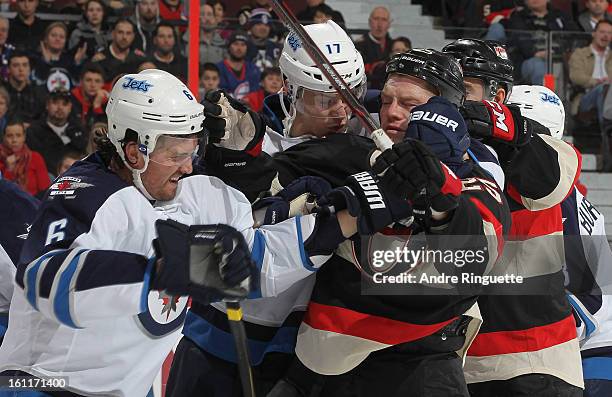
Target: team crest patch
x=131, y=83
x=165, y=313
x=67, y=186
x=501, y=52
x=294, y=42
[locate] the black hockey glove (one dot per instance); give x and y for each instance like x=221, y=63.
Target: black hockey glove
x=414, y=173
x=231, y=124
x=208, y=262
x=298, y=198
x=366, y=200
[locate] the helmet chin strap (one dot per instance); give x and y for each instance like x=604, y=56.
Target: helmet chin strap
x=137, y=180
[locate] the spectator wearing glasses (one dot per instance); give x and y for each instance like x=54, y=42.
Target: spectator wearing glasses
x=27, y=29
x=56, y=133
x=166, y=56
x=375, y=45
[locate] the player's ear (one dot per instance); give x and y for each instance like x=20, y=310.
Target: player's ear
x=500, y=96
x=133, y=156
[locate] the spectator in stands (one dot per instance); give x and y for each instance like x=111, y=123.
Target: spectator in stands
x=219, y=12
x=239, y=77
x=145, y=18
x=166, y=56
x=26, y=29
x=209, y=78
x=595, y=12
x=377, y=76
x=27, y=100
x=171, y=10
x=276, y=26
x=323, y=13
x=57, y=133
x=67, y=160
x=271, y=83
x=89, y=98
x=19, y=163
x=5, y=101
x=307, y=15
x=118, y=7
x=539, y=18
x=212, y=45
x=591, y=69
x=375, y=45
x=52, y=54
x=91, y=32
x=146, y=65
x=496, y=14
x=119, y=58
x=5, y=48
x=262, y=51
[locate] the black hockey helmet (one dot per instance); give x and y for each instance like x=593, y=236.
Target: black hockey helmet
x=438, y=69
x=486, y=60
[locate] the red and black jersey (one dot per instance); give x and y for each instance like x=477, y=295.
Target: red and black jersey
x=532, y=330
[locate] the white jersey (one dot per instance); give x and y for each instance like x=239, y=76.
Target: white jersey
x=82, y=307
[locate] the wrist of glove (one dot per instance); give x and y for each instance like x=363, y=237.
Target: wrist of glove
x=497, y=124
x=364, y=199
x=231, y=124
x=208, y=262
x=414, y=173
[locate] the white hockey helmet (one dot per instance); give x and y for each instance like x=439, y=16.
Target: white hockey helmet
x=151, y=103
x=542, y=105
x=300, y=72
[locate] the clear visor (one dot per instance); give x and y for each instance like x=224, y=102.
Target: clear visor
x=174, y=151
x=325, y=104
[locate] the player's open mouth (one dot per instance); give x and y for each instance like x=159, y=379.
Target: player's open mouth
x=174, y=179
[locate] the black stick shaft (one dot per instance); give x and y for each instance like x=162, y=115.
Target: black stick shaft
x=234, y=316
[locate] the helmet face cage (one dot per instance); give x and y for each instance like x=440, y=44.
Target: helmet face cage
x=486, y=61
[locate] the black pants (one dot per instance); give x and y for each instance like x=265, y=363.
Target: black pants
x=428, y=367
x=531, y=385
x=196, y=373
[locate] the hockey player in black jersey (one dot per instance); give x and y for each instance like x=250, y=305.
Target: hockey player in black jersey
x=350, y=335
x=522, y=350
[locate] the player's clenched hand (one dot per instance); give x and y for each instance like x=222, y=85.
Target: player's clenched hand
x=208, y=262
x=230, y=123
x=497, y=123
x=411, y=170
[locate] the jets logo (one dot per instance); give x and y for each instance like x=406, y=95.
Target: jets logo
x=165, y=313
x=545, y=97
x=131, y=83
x=294, y=42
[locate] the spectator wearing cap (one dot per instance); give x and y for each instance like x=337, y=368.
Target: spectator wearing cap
x=277, y=29
x=27, y=100
x=307, y=15
x=375, y=45
x=145, y=18
x=166, y=56
x=52, y=54
x=5, y=48
x=239, y=77
x=89, y=98
x=596, y=10
x=56, y=133
x=26, y=28
x=262, y=51
x=92, y=32
x=119, y=58
x=212, y=45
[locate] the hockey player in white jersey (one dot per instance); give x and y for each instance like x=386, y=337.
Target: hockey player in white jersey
x=92, y=303
x=587, y=254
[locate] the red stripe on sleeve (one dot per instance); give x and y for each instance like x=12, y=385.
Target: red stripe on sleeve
x=380, y=329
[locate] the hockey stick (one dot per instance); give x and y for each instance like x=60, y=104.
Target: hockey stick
x=302, y=39
x=234, y=317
